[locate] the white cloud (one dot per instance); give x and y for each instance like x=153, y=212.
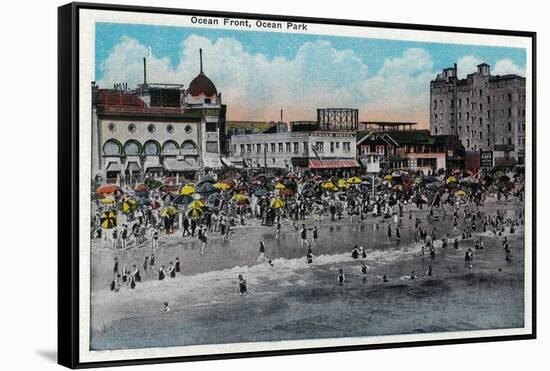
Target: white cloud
x=466, y=65
x=255, y=87
x=506, y=66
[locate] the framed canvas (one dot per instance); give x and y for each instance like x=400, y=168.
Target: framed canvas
x=241, y=185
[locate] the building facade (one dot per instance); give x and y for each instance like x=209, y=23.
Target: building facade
x=157, y=130
x=483, y=110
x=292, y=150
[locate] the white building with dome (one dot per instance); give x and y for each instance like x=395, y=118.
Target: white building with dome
x=157, y=129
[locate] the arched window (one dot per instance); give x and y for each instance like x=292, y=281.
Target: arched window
x=132, y=148
x=151, y=148
x=112, y=147
x=170, y=146
x=188, y=144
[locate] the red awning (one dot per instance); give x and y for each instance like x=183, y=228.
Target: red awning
x=332, y=164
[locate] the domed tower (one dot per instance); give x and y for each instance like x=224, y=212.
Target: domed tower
x=202, y=92
x=202, y=98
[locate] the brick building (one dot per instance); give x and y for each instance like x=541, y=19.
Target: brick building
x=483, y=110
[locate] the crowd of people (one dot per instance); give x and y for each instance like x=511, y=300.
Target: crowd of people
x=140, y=217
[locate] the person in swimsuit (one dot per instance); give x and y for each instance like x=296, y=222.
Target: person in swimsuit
x=242, y=289
x=341, y=277
x=309, y=256
x=177, y=265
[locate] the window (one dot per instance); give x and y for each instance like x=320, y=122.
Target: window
x=296, y=147
x=480, y=135
x=331, y=147
x=258, y=148
x=467, y=115
x=435, y=116
x=509, y=112
x=459, y=129
x=170, y=128
x=169, y=146
x=459, y=102
x=435, y=130
x=480, y=92
x=273, y=147
x=211, y=127
x=248, y=148
x=435, y=104
x=207, y=100
x=112, y=148
x=188, y=129
x=380, y=149
x=480, y=121
x=111, y=127
x=151, y=148
x=488, y=142
x=337, y=145
x=280, y=147
x=467, y=101
x=509, y=97
x=234, y=148
x=488, y=99
x=509, y=126
x=132, y=148
x=467, y=143
x=488, y=114
x=460, y=115
x=242, y=148
x=287, y=147
x=132, y=128
x=151, y=128
x=320, y=147
x=509, y=141
x=480, y=107
x=346, y=146
x=212, y=146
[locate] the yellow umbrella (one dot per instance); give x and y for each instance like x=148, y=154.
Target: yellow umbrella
x=328, y=185
x=388, y=177
x=107, y=200
x=239, y=197
x=195, y=213
x=343, y=184
x=129, y=205
x=451, y=179
x=280, y=186
x=354, y=180
x=277, y=203
x=187, y=190
x=222, y=186
x=197, y=204
x=108, y=220
x=168, y=211
x=460, y=193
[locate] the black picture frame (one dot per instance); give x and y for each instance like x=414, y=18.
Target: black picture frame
x=68, y=194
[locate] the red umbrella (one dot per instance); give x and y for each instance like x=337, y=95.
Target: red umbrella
x=141, y=187
x=108, y=188
x=286, y=192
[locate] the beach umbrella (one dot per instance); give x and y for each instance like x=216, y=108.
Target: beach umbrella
x=388, y=177
x=277, y=203
x=182, y=200
x=152, y=183
x=291, y=175
x=108, y=188
x=168, y=211
x=280, y=186
x=208, y=179
x=187, y=190
x=129, y=205
x=460, y=193
x=107, y=220
x=452, y=179
x=195, y=213
x=142, y=187
x=343, y=184
x=168, y=188
x=222, y=186
x=206, y=188
x=328, y=185
x=239, y=197
x=197, y=204
x=107, y=200
x=354, y=180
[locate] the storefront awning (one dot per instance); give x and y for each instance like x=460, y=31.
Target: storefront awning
x=133, y=166
x=172, y=164
x=332, y=164
x=113, y=166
